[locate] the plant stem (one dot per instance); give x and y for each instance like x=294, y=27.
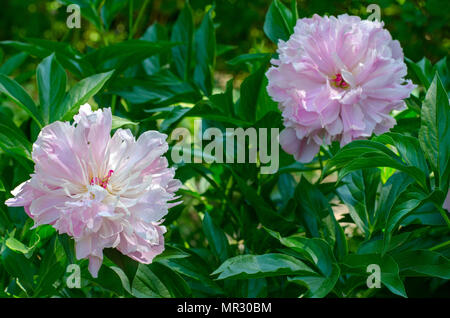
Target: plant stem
x=130, y=19
x=139, y=18
x=102, y=27
x=113, y=103
x=66, y=35
x=439, y=246
x=321, y=163
x=294, y=10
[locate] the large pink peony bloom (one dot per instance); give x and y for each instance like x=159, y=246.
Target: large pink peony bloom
x=103, y=191
x=336, y=79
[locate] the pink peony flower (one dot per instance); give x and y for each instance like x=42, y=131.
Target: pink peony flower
x=336, y=79
x=105, y=192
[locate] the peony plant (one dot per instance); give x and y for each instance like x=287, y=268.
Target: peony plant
x=98, y=203
x=103, y=191
x=336, y=79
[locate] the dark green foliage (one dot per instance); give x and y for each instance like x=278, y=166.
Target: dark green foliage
x=308, y=230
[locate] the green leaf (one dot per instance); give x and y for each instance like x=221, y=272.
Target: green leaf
x=170, y=252
x=414, y=103
x=51, y=80
x=224, y=101
x=425, y=72
x=254, y=101
x=286, y=186
x=224, y=48
x=442, y=68
x=251, y=288
x=88, y=10
x=122, y=55
x=217, y=239
x=110, y=9
x=389, y=194
x=258, y=266
x=14, y=91
x=17, y=246
x=13, y=141
x=294, y=10
x=125, y=263
x=113, y=278
x=249, y=58
x=359, y=193
x=318, y=217
x=408, y=148
x=205, y=49
x=376, y=244
x=13, y=63
x=318, y=252
x=68, y=245
x=370, y=154
x=204, y=109
x=154, y=33
x=158, y=281
x=278, y=24
x=183, y=32
x=196, y=269
x=172, y=117
x=147, y=285
x=162, y=88
x=174, y=283
x=79, y=94
x=423, y=263
x=422, y=69
x=434, y=133
x=315, y=250
x=17, y=265
x=66, y=55
x=318, y=286
x=201, y=110
x=266, y=214
x=265, y=104
x=123, y=278
x=52, y=268
x=407, y=202
x=357, y=264
x=118, y=122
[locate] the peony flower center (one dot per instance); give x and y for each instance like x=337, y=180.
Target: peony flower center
x=102, y=182
x=338, y=81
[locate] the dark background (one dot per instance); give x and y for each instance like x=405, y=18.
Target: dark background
x=422, y=27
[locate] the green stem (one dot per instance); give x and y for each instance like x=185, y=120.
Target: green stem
x=221, y=192
x=321, y=163
x=436, y=179
x=102, y=27
x=439, y=246
x=139, y=18
x=103, y=35
x=294, y=10
x=66, y=35
x=130, y=19
x=125, y=105
x=113, y=103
